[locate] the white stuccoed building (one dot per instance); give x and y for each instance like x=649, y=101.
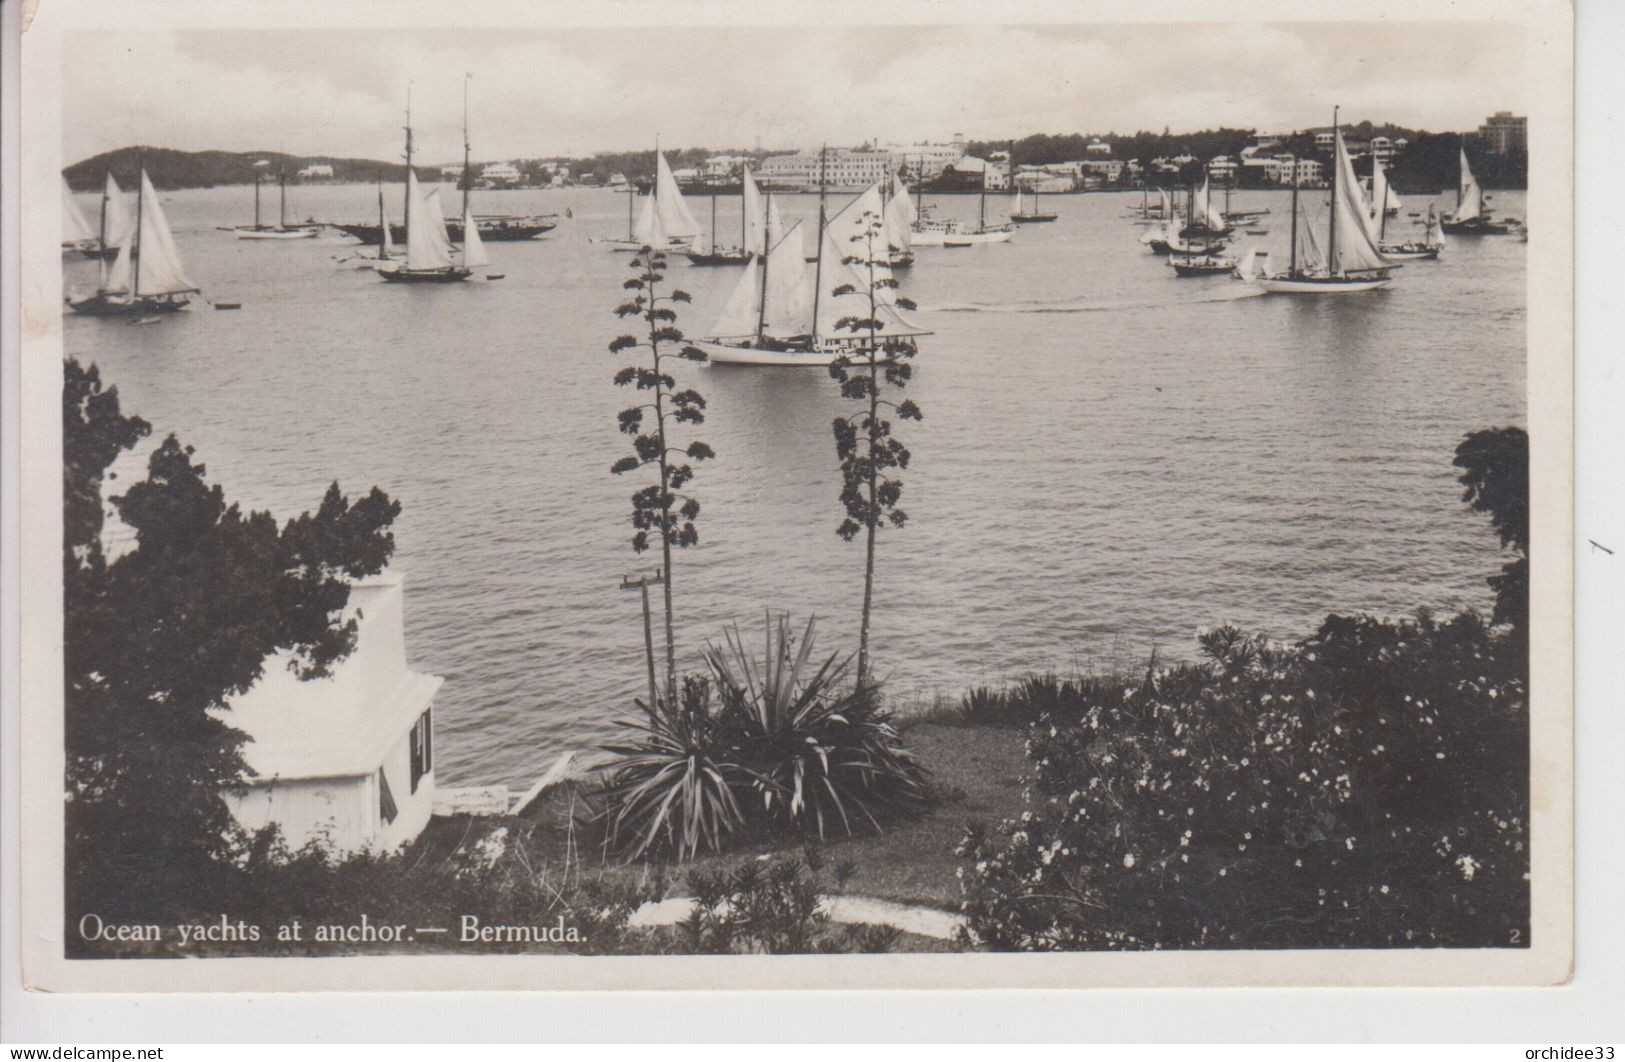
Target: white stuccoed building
x=346, y=761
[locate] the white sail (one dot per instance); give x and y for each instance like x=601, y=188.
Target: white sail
x=755, y=226
x=775, y=223
x=854, y=303
x=474, y=254
x=159, y=269
x=675, y=218
x=388, y=249
x=1472, y=196
x=850, y=227
x=119, y=221
x=1433, y=234
x=1354, y=248
x=1205, y=213
x=643, y=231
x=426, y=244
x=742, y=312
x=900, y=220
x=1247, y=268
x=907, y=210
x=1308, y=257
x=118, y=278
x=789, y=293
x=76, y=228
x=1381, y=198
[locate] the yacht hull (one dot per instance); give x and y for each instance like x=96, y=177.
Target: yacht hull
x=424, y=276
x=1327, y=286
x=123, y=306
x=278, y=234
x=728, y=354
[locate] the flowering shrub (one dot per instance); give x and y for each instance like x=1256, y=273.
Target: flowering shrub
x=1364, y=788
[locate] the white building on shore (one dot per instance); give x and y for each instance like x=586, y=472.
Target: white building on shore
x=345, y=761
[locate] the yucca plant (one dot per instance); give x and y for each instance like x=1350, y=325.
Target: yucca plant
x=818, y=749
x=674, y=788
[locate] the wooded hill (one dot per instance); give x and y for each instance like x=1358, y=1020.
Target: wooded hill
x=169, y=168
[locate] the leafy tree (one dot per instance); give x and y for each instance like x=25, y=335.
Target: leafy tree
x=864, y=441
x=158, y=638
x=1495, y=473
x=659, y=507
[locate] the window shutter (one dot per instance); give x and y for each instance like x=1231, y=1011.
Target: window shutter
x=386, y=800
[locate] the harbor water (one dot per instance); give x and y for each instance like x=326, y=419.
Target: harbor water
x=1111, y=459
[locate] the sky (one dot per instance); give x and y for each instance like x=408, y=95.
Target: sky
x=575, y=91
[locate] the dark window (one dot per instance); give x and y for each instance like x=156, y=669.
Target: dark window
x=386, y=800
x=420, y=744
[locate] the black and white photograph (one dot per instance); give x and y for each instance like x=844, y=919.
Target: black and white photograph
x=1039, y=502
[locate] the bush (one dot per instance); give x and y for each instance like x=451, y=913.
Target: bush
x=786, y=746
x=775, y=909
x=1365, y=788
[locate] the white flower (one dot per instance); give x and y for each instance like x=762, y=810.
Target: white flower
x=1128, y=860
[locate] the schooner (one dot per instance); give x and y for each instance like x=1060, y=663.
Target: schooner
x=778, y=314
x=146, y=276
x=665, y=223
x=1350, y=262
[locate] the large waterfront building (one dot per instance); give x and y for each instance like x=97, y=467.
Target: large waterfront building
x=838, y=167
x=1503, y=132
x=927, y=159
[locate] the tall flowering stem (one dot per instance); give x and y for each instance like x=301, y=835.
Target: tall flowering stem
x=659, y=507
x=864, y=442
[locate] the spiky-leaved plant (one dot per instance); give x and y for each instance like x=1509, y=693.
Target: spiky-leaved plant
x=864, y=442
x=659, y=507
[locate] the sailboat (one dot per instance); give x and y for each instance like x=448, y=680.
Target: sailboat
x=114, y=224
x=900, y=216
x=1197, y=263
x=281, y=230
x=983, y=233
x=665, y=223
x=146, y=277
x=1170, y=238
x=387, y=252
x=752, y=231
x=1471, y=218
x=1351, y=262
x=1018, y=215
x=77, y=233
x=778, y=315
x=1202, y=220
x=429, y=255
x=1377, y=226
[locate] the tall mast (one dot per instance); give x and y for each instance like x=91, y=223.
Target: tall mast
x=631, y=190
x=1292, y=270
x=406, y=190
x=256, y=199
x=282, y=198
x=1331, y=226
x=981, y=217
x=135, y=247
x=744, y=223
x=383, y=222
x=761, y=316
x=1382, y=207
x=468, y=176
x=714, y=216
x=1010, y=163
x=818, y=265
x=101, y=257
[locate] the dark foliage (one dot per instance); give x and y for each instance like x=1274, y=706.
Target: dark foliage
x=777, y=908
x=157, y=638
x=1365, y=788
x=1495, y=473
